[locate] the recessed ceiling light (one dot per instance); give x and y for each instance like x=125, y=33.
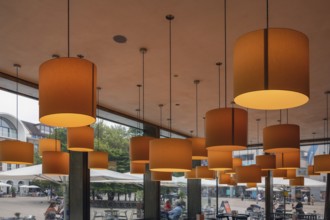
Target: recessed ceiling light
x=120, y=39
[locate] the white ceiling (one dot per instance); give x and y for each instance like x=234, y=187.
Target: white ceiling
x=31, y=31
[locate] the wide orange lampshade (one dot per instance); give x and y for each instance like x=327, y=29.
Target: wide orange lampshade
x=248, y=174
x=16, y=152
x=291, y=174
x=219, y=160
x=298, y=181
x=322, y=163
x=226, y=129
x=279, y=173
x=281, y=138
x=67, y=92
x=139, y=149
x=276, y=80
x=55, y=163
x=224, y=178
x=251, y=185
x=47, y=144
x=264, y=173
x=161, y=176
x=203, y=172
x=170, y=155
x=237, y=162
x=191, y=174
x=311, y=171
x=266, y=162
x=98, y=160
x=199, y=151
x=137, y=168
x=80, y=139
x=233, y=181
x=288, y=160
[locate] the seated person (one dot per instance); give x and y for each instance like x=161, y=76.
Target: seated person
x=51, y=212
x=299, y=208
x=167, y=206
x=175, y=213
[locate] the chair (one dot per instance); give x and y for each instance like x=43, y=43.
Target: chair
x=98, y=215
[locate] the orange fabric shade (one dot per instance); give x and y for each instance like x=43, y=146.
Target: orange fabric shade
x=161, y=176
x=322, y=163
x=55, y=163
x=16, y=152
x=137, y=168
x=248, y=174
x=203, y=172
x=218, y=160
x=226, y=129
x=266, y=162
x=286, y=81
x=73, y=103
x=80, y=139
x=47, y=144
x=199, y=151
x=98, y=160
x=139, y=149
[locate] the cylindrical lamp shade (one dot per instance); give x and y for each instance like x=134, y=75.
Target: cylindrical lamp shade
x=281, y=138
x=291, y=174
x=137, y=168
x=226, y=129
x=276, y=80
x=47, y=144
x=170, y=155
x=233, y=182
x=248, y=174
x=251, y=185
x=16, y=152
x=219, y=160
x=288, y=160
x=224, y=178
x=55, y=163
x=203, y=172
x=266, y=162
x=279, y=173
x=298, y=181
x=191, y=174
x=67, y=92
x=139, y=149
x=161, y=176
x=80, y=139
x=322, y=163
x=199, y=151
x=237, y=162
x=98, y=160
x=264, y=173
x=311, y=171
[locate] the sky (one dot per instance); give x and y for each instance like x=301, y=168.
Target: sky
x=28, y=109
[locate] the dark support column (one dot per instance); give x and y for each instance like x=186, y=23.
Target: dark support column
x=79, y=207
x=151, y=188
x=194, y=195
x=327, y=199
x=269, y=195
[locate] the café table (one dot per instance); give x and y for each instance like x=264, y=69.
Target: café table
x=111, y=214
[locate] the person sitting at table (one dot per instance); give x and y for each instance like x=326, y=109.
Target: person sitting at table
x=299, y=208
x=175, y=213
x=167, y=206
x=51, y=212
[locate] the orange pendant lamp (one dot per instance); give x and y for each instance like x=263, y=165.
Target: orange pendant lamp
x=281, y=138
x=291, y=174
x=298, y=181
x=170, y=154
x=67, y=90
x=139, y=149
x=311, y=171
x=80, y=139
x=224, y=178
x=191, y=174
x=288, y=160
x=137, y=168
x=266, y=162
x=279, y=173
x=237, y=162
x=271, y=69
x=161, y=176
x=16, y=151
x=55, y=163
x=248, y=174
x=48, y=144
x=219, y=160
x=226, y=128
x=98, y=160
x=203, y=172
